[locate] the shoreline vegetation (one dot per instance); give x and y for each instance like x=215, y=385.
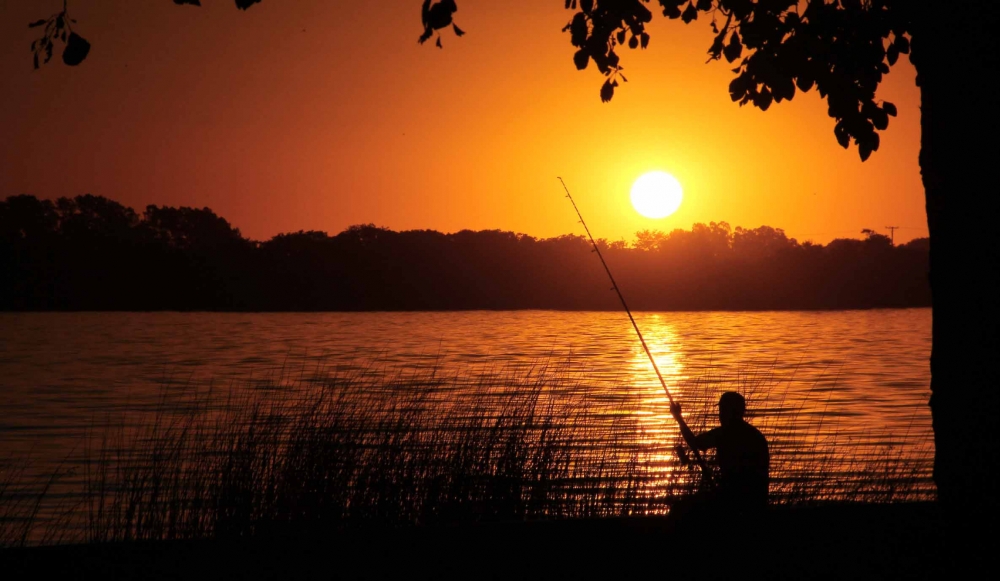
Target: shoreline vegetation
x=366, y=450
x=90, y=253
x=833, y=541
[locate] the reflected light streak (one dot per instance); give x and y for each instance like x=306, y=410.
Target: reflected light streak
x=653, y=406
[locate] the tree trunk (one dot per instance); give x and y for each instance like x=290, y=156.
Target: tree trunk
x=955, y=54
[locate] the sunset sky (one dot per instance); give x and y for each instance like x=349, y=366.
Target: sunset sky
x=315, y=115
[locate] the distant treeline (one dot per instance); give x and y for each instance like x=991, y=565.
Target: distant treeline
x=91, y=253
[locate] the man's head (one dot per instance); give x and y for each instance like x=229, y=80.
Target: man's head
x=732, y=406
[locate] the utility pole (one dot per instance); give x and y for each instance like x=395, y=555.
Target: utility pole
x=892, y=234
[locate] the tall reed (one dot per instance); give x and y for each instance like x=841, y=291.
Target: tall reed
x=373, y=447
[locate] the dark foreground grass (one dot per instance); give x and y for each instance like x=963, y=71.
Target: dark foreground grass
x=834, y=541
x=366, y=453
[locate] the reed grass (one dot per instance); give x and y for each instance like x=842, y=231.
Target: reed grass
x=375, y=448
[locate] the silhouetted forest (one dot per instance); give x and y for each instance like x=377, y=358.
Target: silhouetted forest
x=92, y=253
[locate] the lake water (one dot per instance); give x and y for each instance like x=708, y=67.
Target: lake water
x=857, y=381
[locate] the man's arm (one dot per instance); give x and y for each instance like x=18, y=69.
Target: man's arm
x=702, y=442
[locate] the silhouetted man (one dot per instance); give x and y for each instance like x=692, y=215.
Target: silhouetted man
x=741, y=452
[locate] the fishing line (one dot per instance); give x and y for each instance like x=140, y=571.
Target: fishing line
x=614, y=286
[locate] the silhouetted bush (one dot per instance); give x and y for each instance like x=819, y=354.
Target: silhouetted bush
x=91, y=253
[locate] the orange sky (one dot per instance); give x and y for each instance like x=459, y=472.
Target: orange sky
x=310, y=114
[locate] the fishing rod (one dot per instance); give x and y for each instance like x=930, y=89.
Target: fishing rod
x=614, y=286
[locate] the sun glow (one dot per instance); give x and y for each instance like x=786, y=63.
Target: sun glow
x=656, y=194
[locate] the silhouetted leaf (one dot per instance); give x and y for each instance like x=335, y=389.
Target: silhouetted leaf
x=892, y=54
x=607, y=91
x=439, y=15
x=587, y=6
x=620, y=36
x=783, y=89
x=865, y=150
x=840, y=132
x=458, y=31
x=804, y=82
x=37, y=23
x=581, y=59
x=624, y=80
x=718, y=43
x=244, y=4
x=880, y=119
x=633, y=42
x=690, y=13
x=425, y=18
x=425, y=11
x=704, y=5
x=76, y=50
x=889, y=108
x=578, y=29
x=763, y=99
x=740, y=8
x=35, y=56
x=734, y=49
x=613, y=59
x=902, y=44
x=191, y=2
x=737, y=88
x=644, y=40
x=438, y=43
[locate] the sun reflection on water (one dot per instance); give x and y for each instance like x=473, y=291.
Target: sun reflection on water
x=652, y=406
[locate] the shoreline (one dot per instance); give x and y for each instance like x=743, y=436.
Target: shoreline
x=824, y=541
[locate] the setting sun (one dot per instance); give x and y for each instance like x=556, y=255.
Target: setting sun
x=656, y=194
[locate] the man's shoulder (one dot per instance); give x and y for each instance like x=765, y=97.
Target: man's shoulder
x=754, y=432
x=711, y=438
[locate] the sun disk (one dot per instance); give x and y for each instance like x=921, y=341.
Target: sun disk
x=656, y=194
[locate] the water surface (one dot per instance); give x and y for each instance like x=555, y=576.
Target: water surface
x=857, y=380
